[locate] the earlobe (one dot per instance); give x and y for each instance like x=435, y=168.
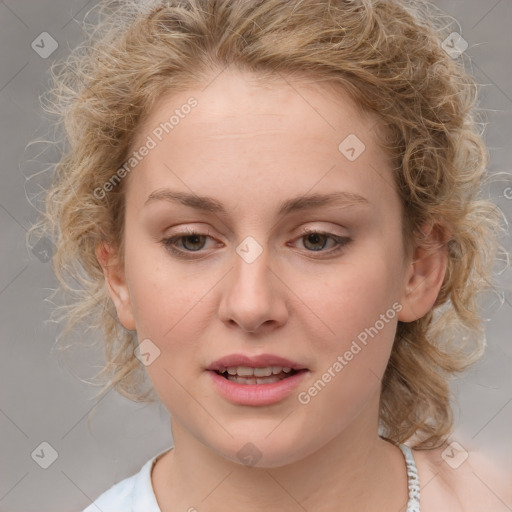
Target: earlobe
x=425, y=276
x=116, y=284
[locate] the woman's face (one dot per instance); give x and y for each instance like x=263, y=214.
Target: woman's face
x=251, y=282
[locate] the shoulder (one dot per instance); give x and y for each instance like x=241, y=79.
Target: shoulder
x=454, y=479
x=118, y=497
x=133, y=494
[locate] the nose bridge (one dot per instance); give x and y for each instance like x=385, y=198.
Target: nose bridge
x=251, y=261
x=251, y=297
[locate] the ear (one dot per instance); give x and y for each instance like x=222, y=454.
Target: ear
x=116, y=284
x=425, y=275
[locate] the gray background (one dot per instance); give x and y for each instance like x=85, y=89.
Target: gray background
x=42, y=400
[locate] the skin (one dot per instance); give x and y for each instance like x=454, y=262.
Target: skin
x=250, y=147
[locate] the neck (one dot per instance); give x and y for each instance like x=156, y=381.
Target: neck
x=356, y=470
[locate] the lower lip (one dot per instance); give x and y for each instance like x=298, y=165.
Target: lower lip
x=256, y=394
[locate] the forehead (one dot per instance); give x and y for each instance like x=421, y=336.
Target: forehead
x=246, y=133
x=235, y=98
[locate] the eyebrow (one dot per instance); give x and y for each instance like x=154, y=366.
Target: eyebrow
x=295, y=204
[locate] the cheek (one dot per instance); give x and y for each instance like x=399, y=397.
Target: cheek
x=159, y=294
x=357, y=312
x=353, y=353
x=351, y=297
x=167, y=311
x=172, y=307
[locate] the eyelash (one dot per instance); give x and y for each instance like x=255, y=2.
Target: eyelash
x=169, y=243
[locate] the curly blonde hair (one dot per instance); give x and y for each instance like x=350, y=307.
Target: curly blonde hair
x=387, y=55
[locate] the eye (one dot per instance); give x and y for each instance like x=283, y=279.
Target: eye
x=191, y=240
x=316, y=241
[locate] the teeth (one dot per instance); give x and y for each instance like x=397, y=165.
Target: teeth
x=245, y=380
x=245, y=371
x=263, y=372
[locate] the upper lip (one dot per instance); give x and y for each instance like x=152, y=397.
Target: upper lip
x=259, y=361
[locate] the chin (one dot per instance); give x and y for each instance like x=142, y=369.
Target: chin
x=262, y=454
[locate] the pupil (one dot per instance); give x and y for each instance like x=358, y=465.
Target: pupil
x=194, y=239
x=315, y=237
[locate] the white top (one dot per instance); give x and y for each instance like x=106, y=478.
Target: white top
x=135, y=493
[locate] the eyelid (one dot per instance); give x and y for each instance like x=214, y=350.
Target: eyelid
x=341, y=241
x=169, y=241
x=308, y=229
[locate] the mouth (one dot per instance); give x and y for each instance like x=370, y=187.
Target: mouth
x=253, y=375
x=256, y=385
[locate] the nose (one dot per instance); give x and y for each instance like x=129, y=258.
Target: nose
x=254, y=296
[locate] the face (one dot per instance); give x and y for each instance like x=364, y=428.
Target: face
x=250, y=280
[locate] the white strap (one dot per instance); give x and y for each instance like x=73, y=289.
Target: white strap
x=413, y=504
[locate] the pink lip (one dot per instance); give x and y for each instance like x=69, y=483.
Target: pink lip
x=256, y=394
x=259, y=361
